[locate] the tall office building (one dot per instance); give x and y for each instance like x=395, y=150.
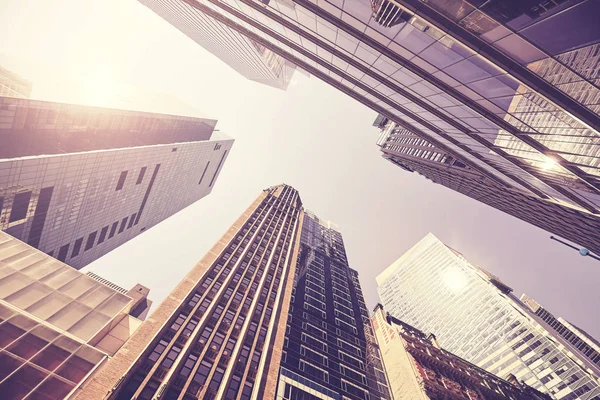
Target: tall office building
x=57, y=325
x=248, y=57
x=329, y=350
x=489, y=82
x=77, y=182
x=475, y=316
x=12, y=85
x=223, y=332
x=419, y=369
x=573, y=338
x=410, y=152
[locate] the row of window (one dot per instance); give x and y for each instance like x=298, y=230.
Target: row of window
x=91, y=238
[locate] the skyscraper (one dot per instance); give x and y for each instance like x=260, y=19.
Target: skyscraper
x=572, y=337
x=12, y=85
x=248, y=57
x=489, y=83
x=56, y=324
x=329, y=344
x=475, y=316
x=220, y=332
x=418, y=368
x=412, y=153
x=243, y=324
x=77, y=182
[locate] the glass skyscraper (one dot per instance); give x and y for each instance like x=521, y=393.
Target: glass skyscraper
x=412, y=153
x=490, y=82
x=475, y=316
x=251, y=321
x=248, y=57
x=12, y=85
x=330, y=349
x=77, y=182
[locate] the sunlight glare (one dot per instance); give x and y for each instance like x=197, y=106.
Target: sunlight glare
x=99, y=88
x=548, y=164
x=454, y=279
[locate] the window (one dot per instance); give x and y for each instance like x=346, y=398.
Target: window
x=217, y=170
x=123, y=222
x=20, y=206
x=113, y=229
x=103, y=234
x=131, y=220
x=216, y=380
x=62, y=252
x=189, y=364
x=90, y=240
x=140, y=177
x=202, y=372
x=121, y=181
x=171, y=356
x=77, y=247
x=203, y=173
x=158, y=350
x=178, y=322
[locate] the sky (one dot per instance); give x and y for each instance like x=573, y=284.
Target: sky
x=118, y=53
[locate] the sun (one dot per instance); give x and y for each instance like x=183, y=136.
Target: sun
x=548, y=164
x=454, y=279
x=99, y=88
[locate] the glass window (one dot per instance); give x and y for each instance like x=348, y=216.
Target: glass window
x=121, y=181
x=90, y=240
x=140, y=177
x=77, y=247
x=20, y=206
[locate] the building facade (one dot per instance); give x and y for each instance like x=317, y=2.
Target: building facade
x=418, y=368
x=220, y=333
x=57, y=325
x=246, y=56
x=12, y=85
x=475, y=316
x=329, y=350
x=573, y=338
x=243, y=325
x=80, y=181
x=413, y=154
x=488, y=82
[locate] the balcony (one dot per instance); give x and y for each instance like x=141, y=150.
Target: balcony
x=387, y=13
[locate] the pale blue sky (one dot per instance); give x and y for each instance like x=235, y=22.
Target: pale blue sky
x=118, y=53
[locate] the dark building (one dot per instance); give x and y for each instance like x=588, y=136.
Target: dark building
x=329, y=344
x=490, y=83
x=419, y=369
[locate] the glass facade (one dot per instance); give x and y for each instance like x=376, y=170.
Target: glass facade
x=488, y=81
x=435, y=162
x=246, y=56
x=78, y=206
x=475, y=316
x=12, y=85
x=418, y=368
x=56, y=324
x=576, y=340
x=329, y=341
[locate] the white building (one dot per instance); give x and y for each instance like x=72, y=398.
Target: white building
x=475, y=316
